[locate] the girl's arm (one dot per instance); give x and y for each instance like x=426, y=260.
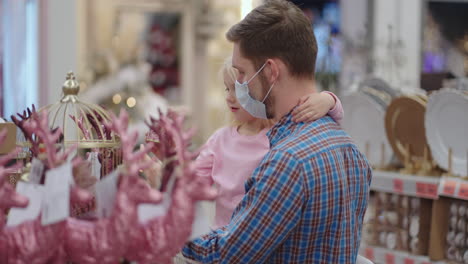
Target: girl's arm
x=316, y=105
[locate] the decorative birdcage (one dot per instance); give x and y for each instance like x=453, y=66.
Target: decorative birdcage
x=82, y=124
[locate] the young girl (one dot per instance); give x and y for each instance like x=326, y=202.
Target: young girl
x=233, y=152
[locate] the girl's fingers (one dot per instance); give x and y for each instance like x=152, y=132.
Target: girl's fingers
x=301, y=105
x=301, y=109
x=304, y=116
x=303, y=99
x=310, y=118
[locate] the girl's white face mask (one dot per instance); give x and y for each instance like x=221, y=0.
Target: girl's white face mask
x=252, y=106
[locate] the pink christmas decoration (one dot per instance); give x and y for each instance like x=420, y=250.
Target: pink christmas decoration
x=160, y=239
x=79, y=122
x=105, y=155
x=106, y=240
x=27, y=114
x=30, y=241
x=8, y=196
x=163, y=145
x=38, y=124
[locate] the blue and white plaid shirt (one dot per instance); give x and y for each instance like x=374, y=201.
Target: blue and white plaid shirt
x=304, y=203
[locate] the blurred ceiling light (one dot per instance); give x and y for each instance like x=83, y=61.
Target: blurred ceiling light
x=116, y=98
x=131, y=102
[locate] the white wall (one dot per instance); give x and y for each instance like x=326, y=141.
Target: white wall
x=58, y=47
x=405, y=16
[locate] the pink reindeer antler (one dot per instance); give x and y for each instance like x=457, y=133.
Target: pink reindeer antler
x=163, y=148
x=134, y=161
x=38, y=124
x=23, y=118
x=198, y=188
x=7, y=157
x=182, y=139
x=79, y=122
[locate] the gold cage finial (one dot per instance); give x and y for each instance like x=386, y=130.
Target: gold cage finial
x=70, y=88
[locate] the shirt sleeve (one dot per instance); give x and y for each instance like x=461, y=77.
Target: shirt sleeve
x=337, y=112
x=205, y=160
x=270, y=210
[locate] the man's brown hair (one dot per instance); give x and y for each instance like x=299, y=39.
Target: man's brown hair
x=277, y=29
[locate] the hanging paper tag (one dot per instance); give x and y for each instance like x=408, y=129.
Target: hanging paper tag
x=203, y=219
x=34, y=193
x=37, y=168
x=147, y=212
x=95, y=165
x=56, y=205
x=398, y=185
x=432, y=190
x=389, y=258
x=421, y=189
x=369, y=253
x=106, y=191
x=448, y=187
x=463, y=192
x=150, y=211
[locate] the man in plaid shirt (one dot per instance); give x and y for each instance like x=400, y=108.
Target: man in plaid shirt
x=305, y=202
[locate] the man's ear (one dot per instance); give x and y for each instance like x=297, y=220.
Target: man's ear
x=273, y=70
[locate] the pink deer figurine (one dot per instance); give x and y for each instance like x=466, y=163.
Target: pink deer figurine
x=107, y=239
x=30, y=241
x=8, y=196
x=36, y=127
x=160, y=239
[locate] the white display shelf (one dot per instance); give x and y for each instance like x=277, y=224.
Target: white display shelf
x=453, y=187
x=385, y=256
x=412, y=185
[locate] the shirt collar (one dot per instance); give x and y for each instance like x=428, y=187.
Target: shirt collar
x=280, y=129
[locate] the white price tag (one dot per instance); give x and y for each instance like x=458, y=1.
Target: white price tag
x=34, y=193
x=147, y=212
x=106, y=190
x=150, y=211
x=37, y=168
x=56, y=205
x=95, y=165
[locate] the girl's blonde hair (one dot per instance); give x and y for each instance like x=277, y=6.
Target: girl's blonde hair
x=231, y=73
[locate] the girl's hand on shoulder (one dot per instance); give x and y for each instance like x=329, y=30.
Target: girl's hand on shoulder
x=313, y=106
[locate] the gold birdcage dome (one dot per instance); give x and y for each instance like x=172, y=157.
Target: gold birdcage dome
x=82, y=124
